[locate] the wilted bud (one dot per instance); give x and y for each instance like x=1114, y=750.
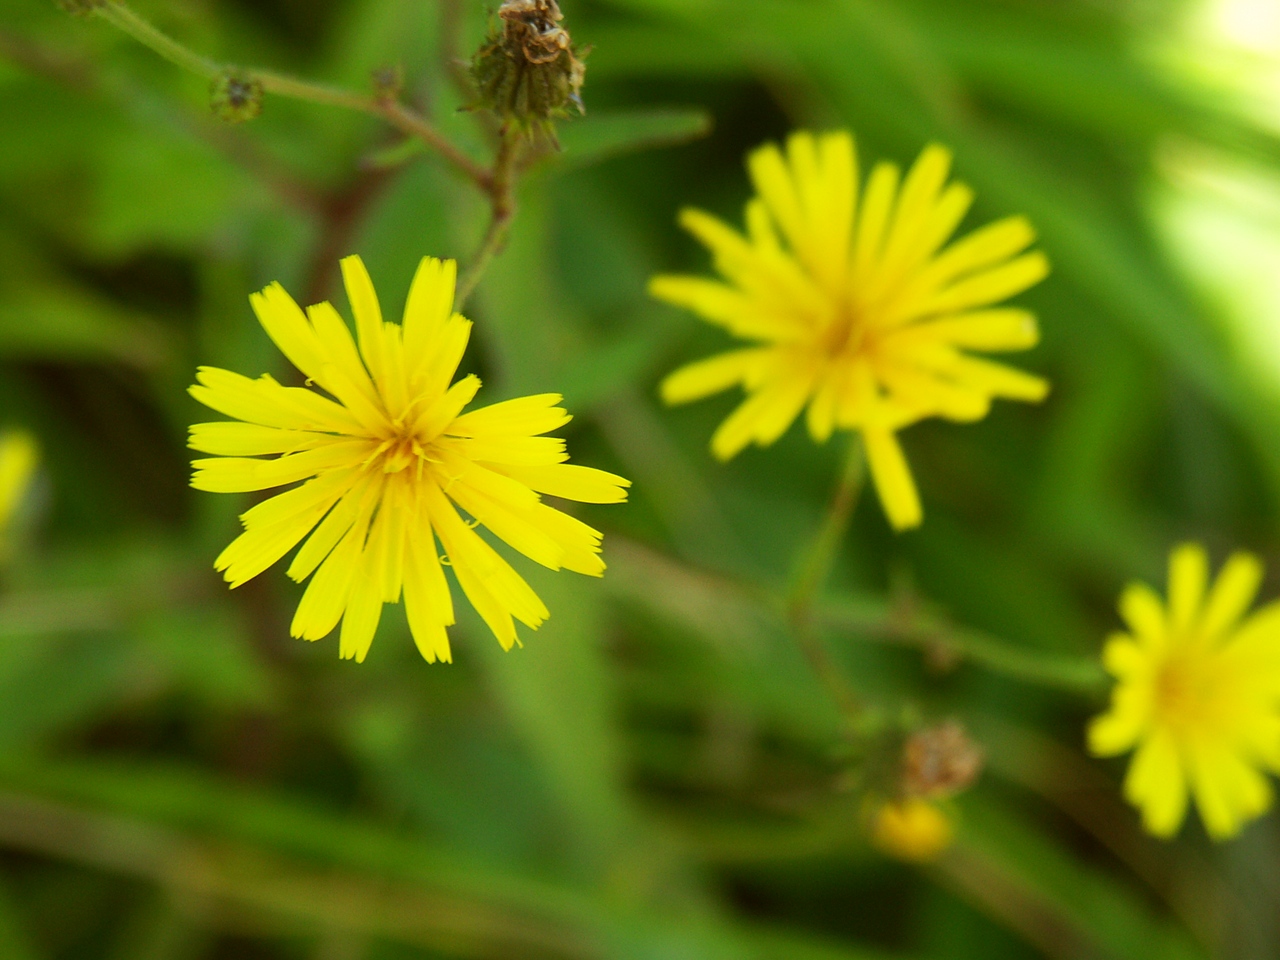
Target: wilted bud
x=387, y=82
x=940, y=761
x=81, y=8
x=236, y=96
x=528, y=71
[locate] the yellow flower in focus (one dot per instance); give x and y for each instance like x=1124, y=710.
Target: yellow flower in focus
x=1197, y=695
x=19, y=457
x=386, y=464
x=855, y=308
x=911, y=829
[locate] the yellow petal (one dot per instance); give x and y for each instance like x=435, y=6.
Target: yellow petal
x=991, y=286
x=242, y=474
x=1157, y=785
x=432, y=421
x=369, y=326
x=516, y=451
x=712, y=375
x=882, y=188
x=1188, y=575
x=570, y=482
x=325, y=598
x=230, y=438
x=359, y=501
x=1232, y=594
x=265, y=402
x=1004, y=328
x=428, y=308
x=893, y=479
x=523, y=416
x=1144, y=613
x=360, y=619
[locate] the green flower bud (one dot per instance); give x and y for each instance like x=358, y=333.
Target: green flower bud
x=529, y=71
x=236, y=96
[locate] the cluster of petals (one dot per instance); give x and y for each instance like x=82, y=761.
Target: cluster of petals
x=1197, y=696
x=857, y=308
x=385, y=463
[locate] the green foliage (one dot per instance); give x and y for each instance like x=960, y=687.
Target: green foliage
x=657, y=773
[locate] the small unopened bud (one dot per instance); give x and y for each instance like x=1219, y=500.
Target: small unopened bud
x=529, y=71
x=236, y=96
x=910, y=829
x=940, y=761
x=81, y=8
x=388, y=82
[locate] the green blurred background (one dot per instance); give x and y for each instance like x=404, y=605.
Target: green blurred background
x=656, y=775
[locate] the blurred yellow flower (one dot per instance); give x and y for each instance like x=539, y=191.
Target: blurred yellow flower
x=1198, y=695
x=19, y=457
x=856, y=309
x=387, y=462
x=911, y=829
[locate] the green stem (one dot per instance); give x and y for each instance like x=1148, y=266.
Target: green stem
x=812, y=570
x=394, y=112
x=502, y=192
x=1077, y=675
x=815, y=563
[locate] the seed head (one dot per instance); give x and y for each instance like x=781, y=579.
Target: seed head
x=528, y=71
x=940, y=761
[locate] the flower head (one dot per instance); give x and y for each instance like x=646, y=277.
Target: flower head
x=384, y=463
x=856, y=310
x=911, y=829
x=1197, y=695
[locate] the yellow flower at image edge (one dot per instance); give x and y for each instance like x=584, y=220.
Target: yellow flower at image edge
x=911, y=829
x=387, y=458
x=856, y=310
x=19, y=457
x=1197, y=695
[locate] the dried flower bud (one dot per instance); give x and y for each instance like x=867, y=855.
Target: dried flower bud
x=940, y=761
x=81, y=8
x=236, y=96
x=529, y=71
x=388, y=82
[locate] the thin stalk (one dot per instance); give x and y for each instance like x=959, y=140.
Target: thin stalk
x=502, y=192
x=394, y=112
x=812, y=569
x=815, y=563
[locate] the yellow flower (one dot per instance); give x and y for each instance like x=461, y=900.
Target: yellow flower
x=1198, y=695
x=911, y=829
x=18, y=459
x=387, y=462
x=856, y=310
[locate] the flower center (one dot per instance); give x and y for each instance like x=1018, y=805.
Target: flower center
x=1187, y=691
x=845, y=333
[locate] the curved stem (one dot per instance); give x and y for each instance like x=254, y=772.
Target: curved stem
x=811, y=572
x=394, y=112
